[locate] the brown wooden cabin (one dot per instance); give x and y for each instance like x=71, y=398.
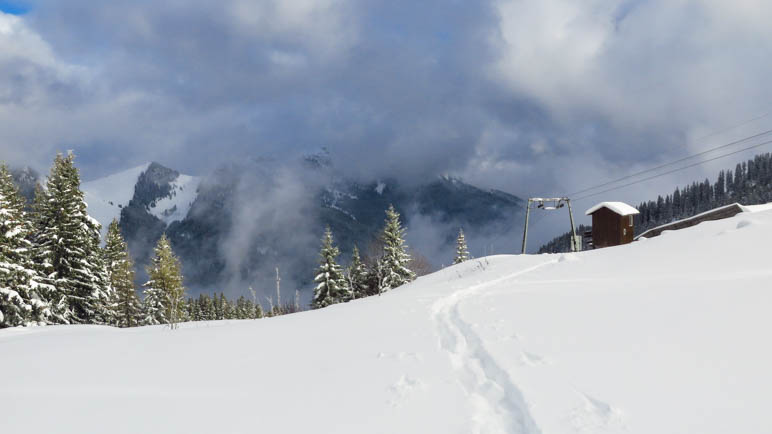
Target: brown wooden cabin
x=612, y=224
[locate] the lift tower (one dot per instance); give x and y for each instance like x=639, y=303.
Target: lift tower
x=550, y=204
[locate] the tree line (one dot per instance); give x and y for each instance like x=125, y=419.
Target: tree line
x=388, y=269
x=54, y=271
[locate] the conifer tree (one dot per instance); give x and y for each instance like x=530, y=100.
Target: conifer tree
x=331, y=286
x=462, y=253
x=206, y=307
x=357, y=276
x=120, y=270
x=228, y=311
x=194, y=310
x=164, y=292
x=258, y=311
x=393, y=263
x=67, y=248
x=219, y=306
x=21, y=302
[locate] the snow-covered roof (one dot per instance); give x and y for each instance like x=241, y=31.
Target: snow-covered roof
x=620, y=208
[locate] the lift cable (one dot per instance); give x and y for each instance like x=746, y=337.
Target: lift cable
x=673, y=170
x=736, y=142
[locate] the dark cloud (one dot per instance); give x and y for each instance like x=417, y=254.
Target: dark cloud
x=535, y=98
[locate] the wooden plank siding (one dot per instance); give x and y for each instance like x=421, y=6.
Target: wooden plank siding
x=610, y=229
x=714, y=214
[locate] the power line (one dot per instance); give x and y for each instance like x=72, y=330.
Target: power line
x=674, y=170
x=730, y=128
x=736, y=142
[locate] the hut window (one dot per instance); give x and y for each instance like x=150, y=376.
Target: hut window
x=630, y=220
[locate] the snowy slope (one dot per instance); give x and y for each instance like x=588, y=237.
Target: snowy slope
x=667, y=335
x=106, y=196
x=176, y=205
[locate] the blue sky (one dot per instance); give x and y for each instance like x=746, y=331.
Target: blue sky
x=14, y=7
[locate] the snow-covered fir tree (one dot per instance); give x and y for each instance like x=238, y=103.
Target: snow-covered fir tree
x=462, y=253
x=219, y=306
x=228, y=310
x=194, y=310
x=164, y=292
x=393, y=267
x=258, y=311
x=331, y=286
x=21, y=302
x=67, y=248
x=120, y=270
x=357, y=276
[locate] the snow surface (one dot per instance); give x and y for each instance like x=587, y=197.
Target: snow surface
x=665, y=335
x=106, y=196
x=620, y=208
x=176, y=206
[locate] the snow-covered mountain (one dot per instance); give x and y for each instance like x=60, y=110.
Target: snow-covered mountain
x=107, y=196
x=233, y=227
x=663, y=335
x=170, y=201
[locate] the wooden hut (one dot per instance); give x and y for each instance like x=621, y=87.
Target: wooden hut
x=612, y=224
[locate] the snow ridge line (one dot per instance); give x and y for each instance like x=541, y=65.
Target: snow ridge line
x=498, y=404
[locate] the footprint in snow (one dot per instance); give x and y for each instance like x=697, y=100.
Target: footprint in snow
x=531, y=359
x=402, y=356
x=594, y=415
x=403, y=389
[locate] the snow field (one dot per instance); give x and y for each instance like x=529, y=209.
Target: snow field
x=666, y=335
x=176, y=206
x=106, y=196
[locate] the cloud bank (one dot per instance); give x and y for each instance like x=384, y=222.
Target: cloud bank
x=531, y=97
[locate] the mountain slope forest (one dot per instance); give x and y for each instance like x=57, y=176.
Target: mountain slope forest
x=750, y=183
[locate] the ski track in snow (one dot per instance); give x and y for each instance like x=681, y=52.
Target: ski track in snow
x=497, y=403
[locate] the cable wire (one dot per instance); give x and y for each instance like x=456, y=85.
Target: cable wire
x=674, y=170
x=736, y=142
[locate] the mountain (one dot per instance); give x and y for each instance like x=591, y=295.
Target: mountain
x=233, y=227
x=666, y=335
x=26, y=179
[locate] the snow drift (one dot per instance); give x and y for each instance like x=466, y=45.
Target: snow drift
x=667, y=335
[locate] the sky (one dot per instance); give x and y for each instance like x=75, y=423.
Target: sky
x=536, y=98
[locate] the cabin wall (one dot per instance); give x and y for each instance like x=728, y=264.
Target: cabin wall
x=611, y=229
x=606, y=228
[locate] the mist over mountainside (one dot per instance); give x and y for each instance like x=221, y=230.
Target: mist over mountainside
x=232, y=228
x=247, y=218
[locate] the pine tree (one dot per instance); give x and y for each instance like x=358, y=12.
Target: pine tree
x=462, y=253
x=331, y=286
x=21, y=289
x=357, y=276
x=120, y=271
x=194, y=310
x=228, y=312
x=67, y=248
x=258, y=311
x=219, y=306
x=393, y=263
x=164, y=292
x=206, y=307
